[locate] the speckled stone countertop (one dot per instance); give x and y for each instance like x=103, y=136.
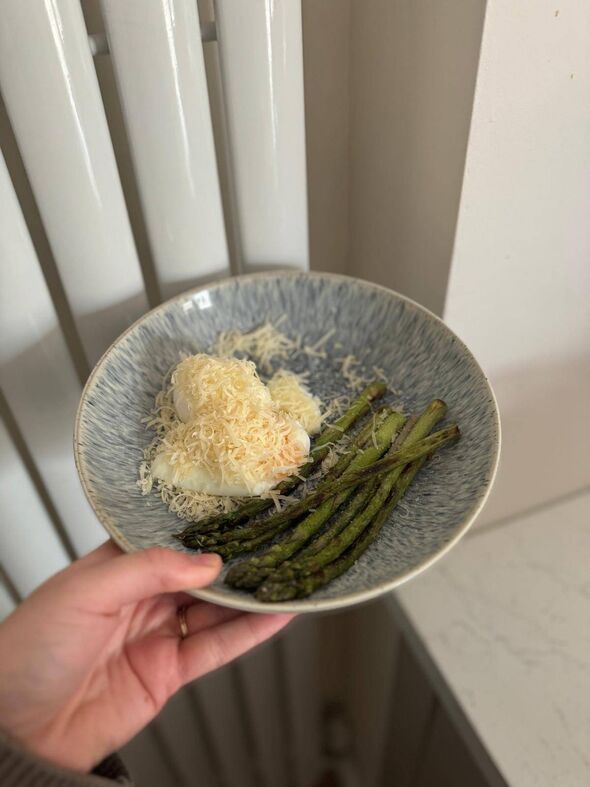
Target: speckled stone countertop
x=502, y=625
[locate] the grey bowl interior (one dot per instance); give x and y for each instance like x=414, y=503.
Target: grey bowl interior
x=422, y=358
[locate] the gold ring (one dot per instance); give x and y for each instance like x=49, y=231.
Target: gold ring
x=181, y=614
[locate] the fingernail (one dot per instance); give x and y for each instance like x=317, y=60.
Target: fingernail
x=206, y=560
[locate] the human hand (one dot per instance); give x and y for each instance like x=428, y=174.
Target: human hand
x=95, y=652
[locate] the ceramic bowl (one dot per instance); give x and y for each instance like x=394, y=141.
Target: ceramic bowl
x=422, y=358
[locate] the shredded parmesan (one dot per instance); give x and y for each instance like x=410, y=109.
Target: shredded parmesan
x=190, y=506
x=374, y=438
x=263, y=345
x=232, y=435
x=380, y=374
x=250, y=438
x=291, y=396
x=193, y=506
x=336, y=407
x=320, y=343
x=277, y=498
x=330, y=460
x=351, y=373
x=203, y=384
x=253, y=436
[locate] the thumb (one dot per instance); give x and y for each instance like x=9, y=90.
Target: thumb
x=127, y=579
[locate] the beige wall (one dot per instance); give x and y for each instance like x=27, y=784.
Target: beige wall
x=388, y=90
x=413, y=67
x=326, y=48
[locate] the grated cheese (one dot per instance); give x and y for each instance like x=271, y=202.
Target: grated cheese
x=277, y=498
x=380, y=374
x=293, y=401
x=336, y=407
x=291, y=396
x=351, y=374
x=263, y=344
x=232, y=439
x=330, y=459
x=204, y=384
x=193, y=506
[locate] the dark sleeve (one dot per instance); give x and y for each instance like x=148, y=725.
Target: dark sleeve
x=19, y=768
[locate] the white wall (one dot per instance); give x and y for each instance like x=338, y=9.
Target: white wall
x=519, y=289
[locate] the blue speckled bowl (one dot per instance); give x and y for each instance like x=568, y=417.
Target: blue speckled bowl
x=420, y=355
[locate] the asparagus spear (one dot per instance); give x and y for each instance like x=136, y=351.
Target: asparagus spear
x=248, y=576
x=341, y=542
x=339, y=521
x=330, y=434
x=342, y=518
x=252, y=572
x=337, y=539
x=259, y=532
x=347, y=512
x=354, y=478
x=272, y=591
x=359, y=442
x=357, y=445
x=256, y=534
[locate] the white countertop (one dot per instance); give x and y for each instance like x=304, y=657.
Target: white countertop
x=503, y=626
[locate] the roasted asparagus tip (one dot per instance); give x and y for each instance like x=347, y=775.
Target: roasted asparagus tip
x=276, y=591
x=245, y=576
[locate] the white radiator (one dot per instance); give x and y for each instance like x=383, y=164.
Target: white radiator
x=204, y=199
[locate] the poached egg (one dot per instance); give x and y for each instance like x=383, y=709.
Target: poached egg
x=232, y=438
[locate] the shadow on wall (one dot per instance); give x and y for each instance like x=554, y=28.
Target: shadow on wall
x=413, y=70
x=38, y=404
x=545, y=434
